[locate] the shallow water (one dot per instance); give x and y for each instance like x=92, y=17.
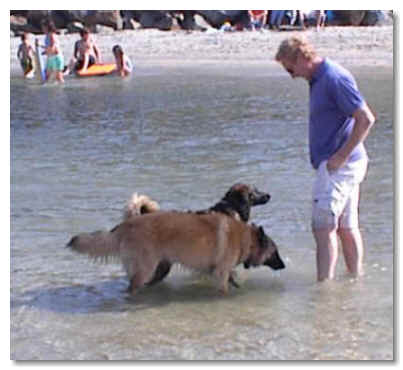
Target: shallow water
x=183, y=135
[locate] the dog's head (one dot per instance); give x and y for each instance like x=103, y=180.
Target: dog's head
x=264, y=251
x=242, y=197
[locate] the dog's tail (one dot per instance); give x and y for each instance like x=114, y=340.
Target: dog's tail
x=139, y=205
x=99, y=245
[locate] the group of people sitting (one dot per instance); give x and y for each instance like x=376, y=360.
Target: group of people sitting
x=86, y=53
x=276, y=18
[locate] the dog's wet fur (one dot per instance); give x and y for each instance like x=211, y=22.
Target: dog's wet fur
x=236, y=203
x=213, y=242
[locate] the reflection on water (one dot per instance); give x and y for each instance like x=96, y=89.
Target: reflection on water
x=183, y=136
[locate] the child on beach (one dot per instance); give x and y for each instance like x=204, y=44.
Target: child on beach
x=55, y=62
x=86, y=52
x=123, y=63
x=25, y=55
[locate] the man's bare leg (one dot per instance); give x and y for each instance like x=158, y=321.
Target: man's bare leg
x=326, y=253
x=353, y=250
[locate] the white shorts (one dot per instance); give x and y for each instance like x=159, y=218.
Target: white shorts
x=335, y=195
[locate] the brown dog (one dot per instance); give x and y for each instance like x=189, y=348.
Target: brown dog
x=236, y=203
x=213, y=243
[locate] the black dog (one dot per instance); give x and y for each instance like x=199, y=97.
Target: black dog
x=238, y=201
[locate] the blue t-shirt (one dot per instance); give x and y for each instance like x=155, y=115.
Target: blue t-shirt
x=334, y=97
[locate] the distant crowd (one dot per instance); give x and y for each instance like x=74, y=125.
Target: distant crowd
x=275, y=19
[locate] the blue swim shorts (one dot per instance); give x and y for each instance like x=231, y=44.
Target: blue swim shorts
x=55, y=63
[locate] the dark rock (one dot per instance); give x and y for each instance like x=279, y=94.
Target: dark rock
x=64, y=19
x=216, y=18
x=108, y=18
x=159, y=19
x=127, y=19
x=186, y=20
x=348, y=17
x=377, y=18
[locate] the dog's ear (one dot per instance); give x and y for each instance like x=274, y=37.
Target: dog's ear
x=244, y=212
x=240, y=201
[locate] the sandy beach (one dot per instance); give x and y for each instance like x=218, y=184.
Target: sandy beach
x=352, y=46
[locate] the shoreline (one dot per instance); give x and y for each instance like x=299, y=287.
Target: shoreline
x=351, y=46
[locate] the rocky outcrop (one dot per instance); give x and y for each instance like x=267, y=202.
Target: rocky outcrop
x=216, y=18
x=348, y=17
x=107, y=18
x=159, y=19
x=377, y=18
x=185, y=19
x=72, y=20
x=32, y=20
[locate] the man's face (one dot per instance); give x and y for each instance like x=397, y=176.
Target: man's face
x=289, y=66
x=296, y=68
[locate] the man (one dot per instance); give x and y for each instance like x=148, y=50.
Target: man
x=339, y=122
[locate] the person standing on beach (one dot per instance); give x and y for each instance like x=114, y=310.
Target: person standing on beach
x=25, y=55
x=298, y=15
x=55, y=61
x=320, y=16
x=339, y=122
x=276, y=19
